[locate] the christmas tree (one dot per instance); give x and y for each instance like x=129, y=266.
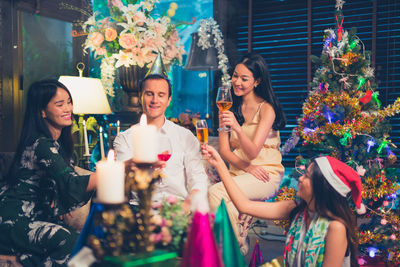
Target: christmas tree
x=342, y=117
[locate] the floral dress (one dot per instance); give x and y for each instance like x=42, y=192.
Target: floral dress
x=30, y=211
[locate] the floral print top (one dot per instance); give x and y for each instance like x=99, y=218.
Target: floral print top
x=47, y=187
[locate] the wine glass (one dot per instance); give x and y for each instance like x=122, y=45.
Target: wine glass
x=224, y=102
x=164, y=148
x=202, y=131
x=164, y=151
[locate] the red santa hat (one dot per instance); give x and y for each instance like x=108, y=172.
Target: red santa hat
x=342, y=178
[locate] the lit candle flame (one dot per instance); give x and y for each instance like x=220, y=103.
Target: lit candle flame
x=143, y=120
x=110, y=156
x=84, y=123
x=101, y=129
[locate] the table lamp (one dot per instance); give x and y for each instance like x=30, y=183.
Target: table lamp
x=88, y=97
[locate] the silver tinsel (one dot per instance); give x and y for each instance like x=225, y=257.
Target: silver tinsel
x=209, y=31
x=339, y=4
x=290, y=143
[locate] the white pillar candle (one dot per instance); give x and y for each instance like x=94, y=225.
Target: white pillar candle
x=110, y=180
x=118, y=128
x=144, y=142
x=101, y=142
x=85, y=139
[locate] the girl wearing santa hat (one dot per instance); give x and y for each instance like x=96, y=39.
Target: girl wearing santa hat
x=323, y=228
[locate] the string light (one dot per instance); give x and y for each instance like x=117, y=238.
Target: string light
x=381, y=146
x=370, y=144
x=372, y=251
x=361, y=82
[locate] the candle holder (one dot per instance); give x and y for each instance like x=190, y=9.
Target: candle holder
x=114, y=231
x=120, y=229
x=142, y=182
x=86, y=161
x=80, y=157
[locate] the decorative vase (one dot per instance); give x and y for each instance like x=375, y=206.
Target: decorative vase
x=129, y=78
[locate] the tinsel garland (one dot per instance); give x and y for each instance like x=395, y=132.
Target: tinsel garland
x=391, y=255
x=371, y=189
x=210, y=29
x=355, y=122
x=291, y=142
x=285, y=193
x=390, y=110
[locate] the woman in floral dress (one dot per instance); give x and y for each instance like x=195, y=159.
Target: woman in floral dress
x=42, y=186
x=323, y=229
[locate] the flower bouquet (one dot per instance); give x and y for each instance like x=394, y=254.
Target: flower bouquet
x=170, y=225
x=131, y=35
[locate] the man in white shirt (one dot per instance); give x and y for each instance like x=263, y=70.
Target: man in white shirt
x=184, y=171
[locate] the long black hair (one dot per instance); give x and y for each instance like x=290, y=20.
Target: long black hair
x=330, y=204
x=39, y=95
x=258, y=67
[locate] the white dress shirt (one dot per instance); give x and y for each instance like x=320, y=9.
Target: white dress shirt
x=184, y=171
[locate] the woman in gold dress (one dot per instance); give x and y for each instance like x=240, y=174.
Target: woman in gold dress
x=252, y=146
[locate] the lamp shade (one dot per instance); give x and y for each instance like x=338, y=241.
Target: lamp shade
x=88, y=95
x=200, y=59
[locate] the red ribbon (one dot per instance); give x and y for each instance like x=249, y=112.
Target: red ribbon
x=340, y=28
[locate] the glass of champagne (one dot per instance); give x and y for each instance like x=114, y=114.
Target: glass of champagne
x=202, y=131
x=224, y=102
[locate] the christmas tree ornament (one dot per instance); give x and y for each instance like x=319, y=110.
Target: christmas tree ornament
x=366, y=98
x=361, y=82
x=377, y=101
x=370, y=144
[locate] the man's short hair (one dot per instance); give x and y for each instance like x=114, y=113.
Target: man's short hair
x=155, y=77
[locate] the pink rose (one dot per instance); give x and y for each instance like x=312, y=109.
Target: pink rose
x=101, y=51
x=156, y=205
x=172, y=199
x=127, y=41
x=110, y=34
x=157, y=219
x=96, y=38
x=167, y=239
x=117, y=3
x=157, y=237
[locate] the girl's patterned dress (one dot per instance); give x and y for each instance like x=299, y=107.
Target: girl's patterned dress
x=304, y=247
x=31, y=210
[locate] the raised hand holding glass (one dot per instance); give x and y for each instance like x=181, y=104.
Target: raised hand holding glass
x=224, y=102
x=202, y=131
